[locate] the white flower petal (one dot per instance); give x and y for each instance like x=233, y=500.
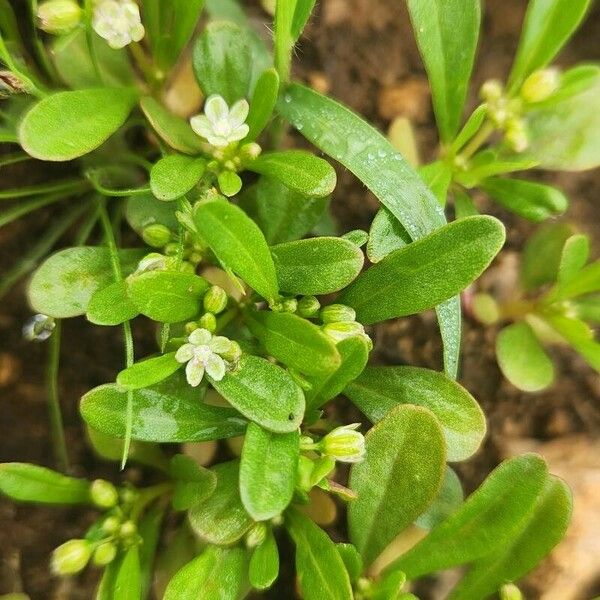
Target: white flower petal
x=215, y=108
x=239, y=133
x=219, y=344
x=218, y=141
x=185, y=353
x=199, y=337
x=215, y=367
x=194, y=372
x=201, y=126
x=238, y=113
x=137, y=32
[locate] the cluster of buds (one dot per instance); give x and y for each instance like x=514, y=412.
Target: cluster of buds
x=506, y=114
x=223, y=127
x=339, y=323
x=101, y=545
x=207, y=353
x=160, y=237
x=343, y=444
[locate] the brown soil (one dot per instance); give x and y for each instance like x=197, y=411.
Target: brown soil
x=363, y=53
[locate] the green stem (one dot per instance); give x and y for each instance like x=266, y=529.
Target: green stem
x=127, y=335
x=13, y=159
x=24, y=208
x=144, y=64
x=478, y=140
x=56, y=421
x=70, y=186
x=89, y=36
x=147, y=496
x=87, y=227
x=40, y=50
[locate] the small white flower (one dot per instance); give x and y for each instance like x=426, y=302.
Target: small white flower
x=202, y=354
x=345, y=444
x=38, y=328
x=118, y=22
x=222, y=125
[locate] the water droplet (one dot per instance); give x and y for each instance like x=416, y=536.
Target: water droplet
x=370, y=156
x=381, y=153
x=287, y=98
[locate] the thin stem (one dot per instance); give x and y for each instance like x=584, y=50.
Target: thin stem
x=478, y=140
x=89, y=36
x=40, y=50
x=127, y=335
x=87, y=227
x=15, y=158
x=20, y=210
x=147, y=496
x=70, y=186
x=144, y=64
x=56, y=421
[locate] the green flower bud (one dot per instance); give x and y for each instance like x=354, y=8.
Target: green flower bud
x=104, y=494
x=128, y=529
x=171, y=249
x=104, y=554
x=491, y=90
x=71, y=557
x=156, y=235
x=233, y=354
x=308, y=306
x=256, y=536
x=338, y=313
x=128, y=496
x=485, y=309
x=190, y=326
x=215, y=300
x=195, y=258
x=208, y=321
x=510, y=591
x=111, y=525
x=540, y=85
x=516, y=135
x=289, y=305
x=250, y=151
x=58, y=16
x=187, y=267
x=345, y=444
x=152, y=262
x=342, y=331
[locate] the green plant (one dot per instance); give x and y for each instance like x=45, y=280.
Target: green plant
x=230, y=279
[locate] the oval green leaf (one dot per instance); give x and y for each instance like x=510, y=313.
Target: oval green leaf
x=148, y=372
x=268, y=471
x=294, y=341
x=67, y=125
x=111, y=305
x=487, y=520
x=320, y=569
x=262, y=103
x=522, y=358
x=167, y=296
x=222, y=518
x=263, y=569
x=379, y=389
x=174, y=176
x=317, y=266
x=447, y=32
x=174, y=130
x=159, y=415
x=65, y=282
x=29, y=483
x=299, y=170
x=264, y=393
x=239, y=244
x=218, y=573
x=406, y=457
x=427, y=271
x=385, y=236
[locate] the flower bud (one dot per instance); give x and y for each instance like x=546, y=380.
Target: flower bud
x=128, y=529
x=510, y=591
x=233, y=354
x=215, y=300
x=104, y=494
x=190, y=326
x=485, y=309
x=516, y=135
x=308, y=306
x=111, y=525
x=289, y=305
x=250, y=151
x=71, y=557
x=38, y=328
x=152, y=262
x=171, y=249
x=342, y=331
x=156, y=235
x=540, y=85
x=208, y=321
x=337, y=313
x=345, y=444
x=256, y=536
x=491, y=90
x=128, y=496
x=104, y=554
x=58, y=16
